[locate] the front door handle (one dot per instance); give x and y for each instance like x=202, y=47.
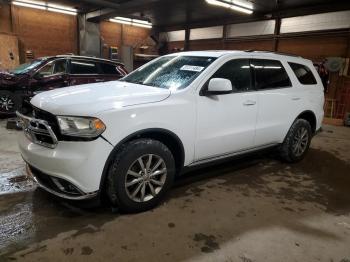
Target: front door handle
x=249, y=103
x=296, y=98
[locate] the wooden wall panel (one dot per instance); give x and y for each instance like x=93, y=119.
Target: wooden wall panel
x=177, y=45
x=263, y=45
x=210, y=44
x=315, y=48
x=9, y=45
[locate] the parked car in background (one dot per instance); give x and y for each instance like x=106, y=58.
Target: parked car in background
x=127, y=140
x=46, y=73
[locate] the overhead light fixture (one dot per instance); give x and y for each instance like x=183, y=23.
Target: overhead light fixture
x=237, y=5
x=46, y=6
x=131, y=21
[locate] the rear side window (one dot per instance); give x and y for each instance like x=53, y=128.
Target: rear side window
x=83, y=67
x=269, y=74
x=238, y=72
x=303, y=73
x=109, y=69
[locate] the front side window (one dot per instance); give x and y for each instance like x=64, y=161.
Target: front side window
x=46, y=70
x=303, y=73
x=269, y=74
x=83, y=67
x=238, y=72
x=52, y=68
x=170, y=72
x=60, y=66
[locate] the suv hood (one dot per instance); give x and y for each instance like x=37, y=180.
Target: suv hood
x=87, y=100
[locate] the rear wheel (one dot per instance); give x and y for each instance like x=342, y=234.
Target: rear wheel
x=142, y=172
x=297, y=141
x=9, y=102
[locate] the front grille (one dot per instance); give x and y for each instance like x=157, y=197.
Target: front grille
x=56, y=184
x=39, y=131
x=48, y=117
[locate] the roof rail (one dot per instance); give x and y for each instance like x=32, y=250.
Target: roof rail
x=272, y=52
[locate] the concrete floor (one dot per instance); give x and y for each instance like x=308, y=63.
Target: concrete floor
x=253, y=209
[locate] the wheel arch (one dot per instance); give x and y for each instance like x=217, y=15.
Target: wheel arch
x=167, y=137
x=309, y=116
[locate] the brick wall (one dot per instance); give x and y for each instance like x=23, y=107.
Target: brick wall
x=111, y=33
x=5, y=19
x=114, y=34
x=45, y=33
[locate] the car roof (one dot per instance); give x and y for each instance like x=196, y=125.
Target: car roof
x=219, y=53
x=87, y=57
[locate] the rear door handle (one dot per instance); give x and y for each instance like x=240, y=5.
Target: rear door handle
x=99, y=80
x=296, y=98
x=249, y=103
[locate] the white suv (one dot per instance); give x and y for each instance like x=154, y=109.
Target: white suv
x=128, y=139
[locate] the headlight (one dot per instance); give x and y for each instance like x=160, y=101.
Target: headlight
x=88, y=127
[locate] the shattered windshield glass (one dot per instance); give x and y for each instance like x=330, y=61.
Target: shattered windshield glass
x=25, y=68
x=170, y=72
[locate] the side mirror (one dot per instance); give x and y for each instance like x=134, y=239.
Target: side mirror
x=219, y=86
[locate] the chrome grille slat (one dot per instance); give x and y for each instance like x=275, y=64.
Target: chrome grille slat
x=34, y=128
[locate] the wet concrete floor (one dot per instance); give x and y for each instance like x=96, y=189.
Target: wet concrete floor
x=251, y=209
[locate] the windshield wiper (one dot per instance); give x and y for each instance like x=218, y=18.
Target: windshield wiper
x=142, y=83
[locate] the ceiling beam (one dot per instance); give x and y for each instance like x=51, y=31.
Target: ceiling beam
x=123, y=9
x=102, y=3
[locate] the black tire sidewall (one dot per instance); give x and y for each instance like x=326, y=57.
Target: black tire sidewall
x=123, y=160
x=287, y=146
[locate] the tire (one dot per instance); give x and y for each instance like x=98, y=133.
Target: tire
x=297, y=142
x=9, y=103
x=126, y=176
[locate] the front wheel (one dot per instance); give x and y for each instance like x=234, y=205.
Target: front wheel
x=142, y=172
x=9, y=103
x=297, y=141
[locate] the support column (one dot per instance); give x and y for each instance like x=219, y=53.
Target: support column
x=276, y=34
x=187, y=39
x=89, y=37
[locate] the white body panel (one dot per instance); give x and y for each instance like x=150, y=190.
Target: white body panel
x=208, y=127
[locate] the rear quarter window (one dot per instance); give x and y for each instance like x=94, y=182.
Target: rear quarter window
x=303, y=73
x=109, y=69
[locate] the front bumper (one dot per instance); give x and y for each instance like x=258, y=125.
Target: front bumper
x=43, y=181
x=76, y=164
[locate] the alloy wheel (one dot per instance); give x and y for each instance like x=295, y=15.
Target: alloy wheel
x=6, y=104
x=300, y=141
x=145, y=178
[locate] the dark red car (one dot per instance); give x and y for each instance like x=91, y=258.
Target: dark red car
x=19, y=85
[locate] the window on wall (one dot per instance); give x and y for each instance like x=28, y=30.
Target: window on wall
x=82, y=67
x=269, y=74
x=304, y=74
x=238, y=72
